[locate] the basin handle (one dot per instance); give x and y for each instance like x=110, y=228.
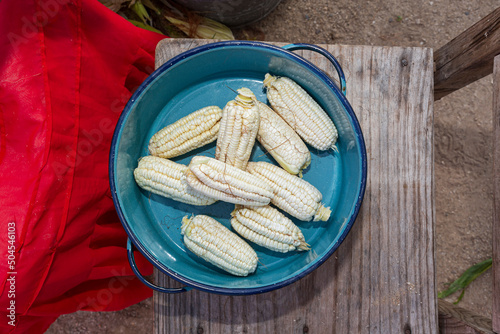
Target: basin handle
x=326, y=54
x=133, y=265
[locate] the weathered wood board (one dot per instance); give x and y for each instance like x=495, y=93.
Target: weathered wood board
x=468, y=57
x=456, y=320
x=382, y=278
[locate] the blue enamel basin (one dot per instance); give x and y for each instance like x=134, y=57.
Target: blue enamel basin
x=210, y=75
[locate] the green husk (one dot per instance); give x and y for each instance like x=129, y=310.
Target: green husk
x=169, y=18
x=207, y=28
x=151, y=6
x=465, y=279
x=141, y=11
x=144, y=26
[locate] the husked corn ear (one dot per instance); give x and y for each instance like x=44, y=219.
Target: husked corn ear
x=218, y=180
x=215, y=243
x=190, y=132
x=281, y=141
x=166, y=178
x=268, y=228
x=238, y=129
x=292, y=194
x=301, y=112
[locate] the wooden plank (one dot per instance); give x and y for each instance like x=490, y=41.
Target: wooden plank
x=451, y=325
x=496, y=195
x=381, y=279
x=468, y=57
x=456, y=320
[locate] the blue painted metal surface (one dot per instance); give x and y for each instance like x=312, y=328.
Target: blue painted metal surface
x=209, y=75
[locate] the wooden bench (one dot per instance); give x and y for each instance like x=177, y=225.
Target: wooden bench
x=381, y=279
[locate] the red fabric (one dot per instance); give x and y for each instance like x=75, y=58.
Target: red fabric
x=67, y=70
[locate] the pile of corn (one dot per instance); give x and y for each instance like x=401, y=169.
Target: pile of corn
x=293, y=118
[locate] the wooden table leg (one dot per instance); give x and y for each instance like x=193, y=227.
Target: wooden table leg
x=496, y=195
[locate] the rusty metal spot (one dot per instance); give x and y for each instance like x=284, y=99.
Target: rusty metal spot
x=305, y=329
x=200, y=330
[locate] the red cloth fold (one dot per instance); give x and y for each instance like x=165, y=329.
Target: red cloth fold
x=68, y=68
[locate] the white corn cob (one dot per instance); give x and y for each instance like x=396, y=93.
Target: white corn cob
x=166, y=178
x=268, y=228
x=291, y=194
x=301, y=112
x=218, y=180
x=190, y=132
x=215, y=243
x=281, y=141
x=238, y=129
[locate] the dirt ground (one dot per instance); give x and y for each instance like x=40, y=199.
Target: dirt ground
x=463, y=123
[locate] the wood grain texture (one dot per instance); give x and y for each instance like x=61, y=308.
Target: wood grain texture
x=456, y=320
x=496, y=196
x=451, y=325
x=468, y=57
x=382, y=278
